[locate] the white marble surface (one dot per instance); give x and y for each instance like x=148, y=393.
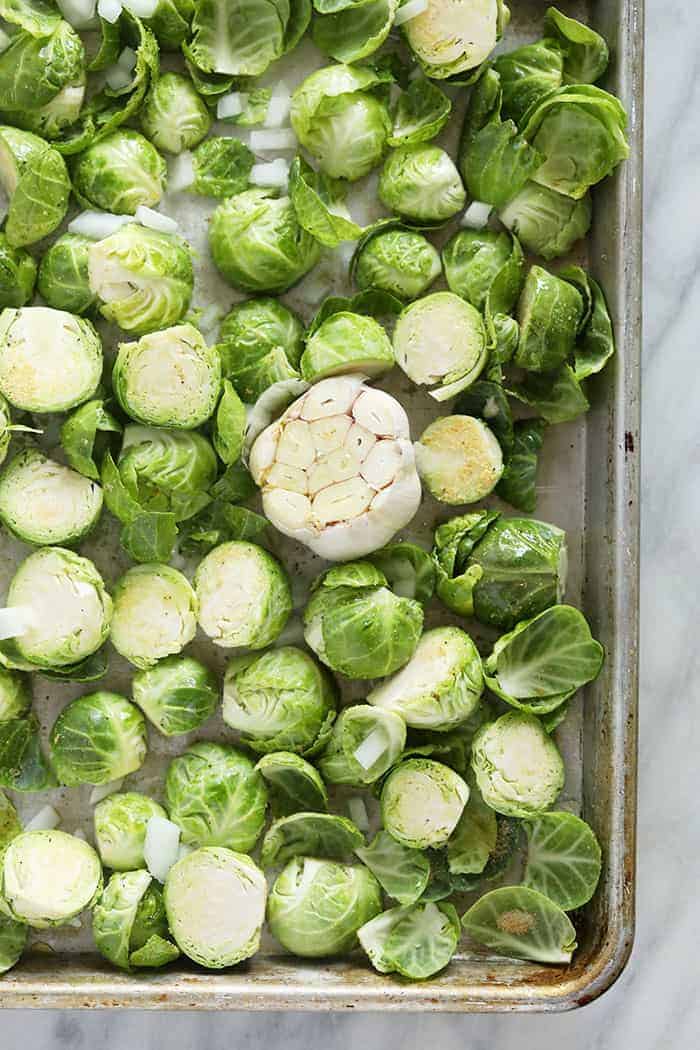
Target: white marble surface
x=655, y=1004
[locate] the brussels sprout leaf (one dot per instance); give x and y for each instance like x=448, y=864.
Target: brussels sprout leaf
x=517, y=485
x=150, y=537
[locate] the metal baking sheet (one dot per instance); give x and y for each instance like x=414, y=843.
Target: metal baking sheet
x=588, y=484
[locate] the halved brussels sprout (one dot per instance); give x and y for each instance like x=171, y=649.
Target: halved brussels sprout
x=281, y=700
x=70, y=608
x=309, y=835
x=260, y=343
x=215, y=902
x=402, y=871
x=142, y=277
x=45, y=503
x=17, y=275
x=63, y=279
x=337, y=469
x=422, y=802
x=50, y=360
x=517, y=766
x=170, y=378
x=563, y=859
x=344, y=344
x=459, y=459
x=549, y=313
x=396, y=260
x=120, y=172
x=174, y=116
x=441, y=340
x=177, y=695
x=416, y=941
x=257, y=243
x=293, y=784
x=451, y=37
x=357, y=626
x=155, y=614
x=421, y=183
x=98, y=738
x=317, y=906
x=15, y=695
x=128, y=914
x=216, y=797
x=48, y=877
x=365, y=743
x=547, y=223
x=244, y=596
x=484, y=266
x=35, y=178
x=441, y=684
x=523, y=924
x=120, y=829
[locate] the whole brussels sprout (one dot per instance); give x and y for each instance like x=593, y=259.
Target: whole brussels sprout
x=50, y=360
x=170, y=378
x=316, y=906
x=42, y=79
x=257, y=243
x=484, y=266
x=244, y=596
x=45, y=503
x=97, y=738
x=70, y=608
x=120, y=172
x=129, y=914
x=216, y=797
x=450, y=37
x=63, y=279
x=177, y=695
x=400, y=261
x=364, y=744
x=260, y=343
x=422, y=802
x=155, y=614
x=345, y=343
x=35, y=178
x=48, y=877
x=174, y=117
x=547, y=223
x=517, y=766
x=280, y=701
x=143, y=278
x=215, y=902
x=15, y=696
x=459, y=459
x=222, y=167
x=17, y=275
x=421, y=183
x=120, y=829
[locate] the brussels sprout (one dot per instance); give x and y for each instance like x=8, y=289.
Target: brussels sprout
x=174, y=117
x=260, y=343
x=119, y=173
x=396, y=260
x=549, y=313
x=547, y=223
x=518, y=485
x=354, y=31
x=129, y=911
x=142, y=277
x=309, y=835
x=240, y=40
x=409, y=570
x=344, y=344
x=337, y=469
x=257, y=243
x=48, y=877
x=318, y=203
x=543, y=661
x=97, y=738
x=338, y=120
x=422, y=111
x=523, y=924
x=557, y=396
x=13, y=939
x=50, y=360
x=177, y=695
x=416, y=941
x=42, y=79
x=293, y=784
x=35, y=178
x=120, y=829
x=215, y=902
x=421, y=183
x=484, y=266
x=563, y=859
x=422, y=802
x=222, y=167
x=459, y=459
x=244, y=596
x=216, y=797
x=43, y=502
x=229, y=429
x=155, y=614
x=441, y=340
x=317, y=906
x=517, y=766
x=79, y=435
x=63, y=280
x=17, y=275
x=441, y=684
x=449, y=38
x=585, y=51
x=71, y=610
x=365, y=743
x=280, y=700
x=15, y=696
x=357, y=626
x=403, y=872
x=527, y=74
x=169, y=378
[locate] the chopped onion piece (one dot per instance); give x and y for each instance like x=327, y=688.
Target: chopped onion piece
x=110, y=10
x=141, y=8
x=477, y=215
x=14, y=621
x=410, y=10
x=358, y=812
x=161, y=846
x=5, y=41
x=75, y=923
x=274, y=174
x=230, y=105
x=46, y=819
x=278, y=108
x=275, y=138
x=79, y=13
x=127, y=59
x=103, y=790
x=155, y=220
x=181, y=173
x=371, y=748
x=97, y=224
x=80, y=834
x=117, y=77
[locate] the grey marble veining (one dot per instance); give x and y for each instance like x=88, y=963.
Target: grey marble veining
x=654, y=1005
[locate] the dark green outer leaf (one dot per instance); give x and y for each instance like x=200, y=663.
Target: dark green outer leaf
x=150, y=537
x=596, y=344
x=585, y=51
x=557, y=396
x=294, y=785
x=22, y=763
x=517, y=484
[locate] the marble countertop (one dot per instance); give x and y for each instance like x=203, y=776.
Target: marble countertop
x=654, y=1004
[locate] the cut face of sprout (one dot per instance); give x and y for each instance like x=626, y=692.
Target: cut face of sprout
x=337, y=469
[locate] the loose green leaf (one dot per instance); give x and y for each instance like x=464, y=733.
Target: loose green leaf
x=293, y=784
x=474, y=839
x=309, y=835
x=318, y=205
x=409, y=570
x=596, y=344
x=563, y=859
x=519, y=922
x=22, y=763
x=420, y=113
x=517, y=484
x=156, y=952
x=416, y=941
x=402, y=871
x=585, y=51
x=557, y=396
x=229, y=425
x=150, y=537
